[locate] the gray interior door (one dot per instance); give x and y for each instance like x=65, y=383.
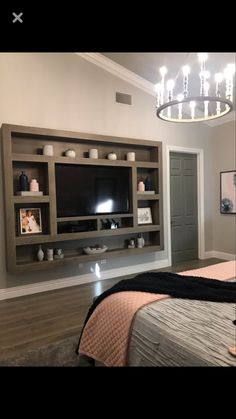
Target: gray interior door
x=183, y=204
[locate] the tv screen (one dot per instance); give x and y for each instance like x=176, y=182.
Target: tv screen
x=89, y=190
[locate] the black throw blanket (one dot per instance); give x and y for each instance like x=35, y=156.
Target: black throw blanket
x=175, y=285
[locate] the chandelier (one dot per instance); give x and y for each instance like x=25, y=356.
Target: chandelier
x=202, y=106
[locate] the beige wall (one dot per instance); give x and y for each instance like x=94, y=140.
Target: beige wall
x=224, y=149
x=64, y=91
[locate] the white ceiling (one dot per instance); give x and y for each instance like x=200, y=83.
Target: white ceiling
x=147, y=64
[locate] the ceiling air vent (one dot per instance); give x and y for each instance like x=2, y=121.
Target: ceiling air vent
x=123, y=98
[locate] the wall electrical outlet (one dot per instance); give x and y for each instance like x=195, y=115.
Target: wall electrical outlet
x=103, y=262
x=81, y=265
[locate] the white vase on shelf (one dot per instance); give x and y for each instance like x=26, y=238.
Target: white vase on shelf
x=40, y=254
x=112, y=156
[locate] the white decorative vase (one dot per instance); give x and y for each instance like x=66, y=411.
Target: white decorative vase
x=141, y=186
x=112, y=156
x=40, y=254
x=130, y=156
x=70, y=153
x=48, y=150
x=93, y=153
x=34, y=186
x=140, y=241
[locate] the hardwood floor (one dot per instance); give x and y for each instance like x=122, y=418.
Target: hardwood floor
x=35, y=320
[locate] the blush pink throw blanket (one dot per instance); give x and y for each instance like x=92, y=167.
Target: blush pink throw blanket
x=106, y=335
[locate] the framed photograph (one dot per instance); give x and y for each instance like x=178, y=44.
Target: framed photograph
x=144, y=216
x=228, y=192
x=30, y=220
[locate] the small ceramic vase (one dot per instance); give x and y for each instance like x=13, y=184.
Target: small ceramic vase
x=112, y=156
x=40, y=254
x=93, y=153
x=49, y=254
x=148, y=184
x=141, y=186
x=140, y=241
x=130, y=156
x=34, y=186
x=48, y=150
x=70, y=153
x=23, y=182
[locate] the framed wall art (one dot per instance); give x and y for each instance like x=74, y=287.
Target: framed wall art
x=228, y=192
x=144, y=216
x=30, y=221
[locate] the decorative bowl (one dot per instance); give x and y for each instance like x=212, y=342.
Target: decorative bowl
x=93, y=250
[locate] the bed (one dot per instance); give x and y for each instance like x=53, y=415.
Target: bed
x=155, y=329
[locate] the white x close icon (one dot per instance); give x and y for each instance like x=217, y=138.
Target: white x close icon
x=17, y=18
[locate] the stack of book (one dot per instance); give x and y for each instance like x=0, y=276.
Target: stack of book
x=146, y=192
x=30, y=193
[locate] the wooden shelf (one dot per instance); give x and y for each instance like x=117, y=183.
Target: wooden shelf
x=40, y=158
x=31, y=199
x=147, y=197
x=105, y=233
x=147, y=227
x=38, y=239
x=94, y=217
x=82, y=258
x=34, y=239
x=34, y=158
x=20, y=146
x=94, y=162
x=147, y=164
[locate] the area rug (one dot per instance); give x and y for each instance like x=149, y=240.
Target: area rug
x=57, y=354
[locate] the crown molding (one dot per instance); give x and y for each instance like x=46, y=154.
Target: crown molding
x=118, y=71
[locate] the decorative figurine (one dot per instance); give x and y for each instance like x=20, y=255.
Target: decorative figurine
x=131, y=244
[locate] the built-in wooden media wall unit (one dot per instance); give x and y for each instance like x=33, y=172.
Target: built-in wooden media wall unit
x=23, y=150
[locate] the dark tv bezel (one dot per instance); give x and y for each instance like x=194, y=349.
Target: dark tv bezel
x=108, y=214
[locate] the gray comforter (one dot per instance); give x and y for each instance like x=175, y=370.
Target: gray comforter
x=179, y=332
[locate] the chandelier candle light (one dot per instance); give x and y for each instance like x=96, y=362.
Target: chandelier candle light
x=186, y=108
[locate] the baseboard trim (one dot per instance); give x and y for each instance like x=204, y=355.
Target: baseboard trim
x=219, y=255
x=20, y=291
x=208, y=255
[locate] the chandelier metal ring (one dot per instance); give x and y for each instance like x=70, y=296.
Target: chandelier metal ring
x=203, y=107
x=195, y=99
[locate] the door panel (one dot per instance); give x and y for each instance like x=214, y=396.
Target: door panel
x=183, y=202
x=176, y=191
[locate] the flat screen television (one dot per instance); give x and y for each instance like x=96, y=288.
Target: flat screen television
x=90, y=189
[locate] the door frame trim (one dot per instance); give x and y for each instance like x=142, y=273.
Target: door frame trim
x=200, y=196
